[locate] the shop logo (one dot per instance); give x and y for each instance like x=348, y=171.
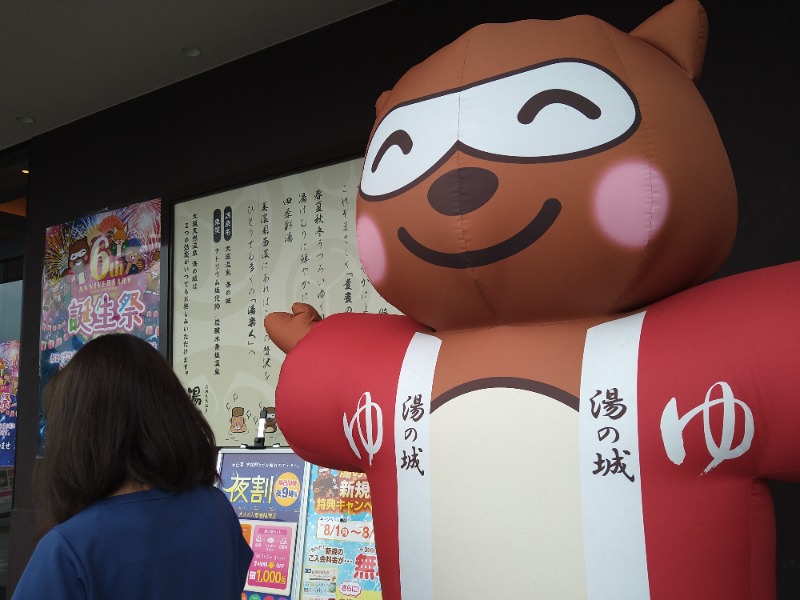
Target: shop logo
x=368, y=423
x=672, y=426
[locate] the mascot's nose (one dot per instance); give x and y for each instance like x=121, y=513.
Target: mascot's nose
x=461, y=191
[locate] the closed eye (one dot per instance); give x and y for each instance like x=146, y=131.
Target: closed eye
x=539, y=101
x=552, y=111
x=399, y=138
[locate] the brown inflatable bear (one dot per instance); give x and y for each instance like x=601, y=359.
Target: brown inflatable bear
x=564, y=412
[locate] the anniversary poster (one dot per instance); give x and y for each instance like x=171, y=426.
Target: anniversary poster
x=339, y=560
x=9, y=379
x=101, y=275
x=244, y=253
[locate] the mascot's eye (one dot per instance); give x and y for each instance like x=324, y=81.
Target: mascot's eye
x=399, y=138
x=551, y=112
x=407, y=143
x=569, y=109
x=536, y=103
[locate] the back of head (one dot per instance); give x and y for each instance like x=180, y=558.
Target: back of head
x=118, y=414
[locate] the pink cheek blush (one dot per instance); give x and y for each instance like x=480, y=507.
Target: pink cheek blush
x=371, y=249
x=631, y=203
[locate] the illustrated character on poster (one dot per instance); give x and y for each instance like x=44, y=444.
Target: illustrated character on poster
x=132, y=255
x=543, y=200
x=77, y=259
x=325, y=485
x=238, y=424
x=270, y=421
x=117, y=233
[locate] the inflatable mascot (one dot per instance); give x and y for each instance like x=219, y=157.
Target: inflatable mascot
x=565, y=410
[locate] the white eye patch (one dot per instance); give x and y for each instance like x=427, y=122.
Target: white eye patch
x=548, y=112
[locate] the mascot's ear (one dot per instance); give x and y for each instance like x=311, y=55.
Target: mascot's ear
x=381, y=101
x=679, y=30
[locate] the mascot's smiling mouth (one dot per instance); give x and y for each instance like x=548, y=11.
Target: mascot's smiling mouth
x=479, y=258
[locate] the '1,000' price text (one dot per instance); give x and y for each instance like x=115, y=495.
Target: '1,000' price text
x=268, y=576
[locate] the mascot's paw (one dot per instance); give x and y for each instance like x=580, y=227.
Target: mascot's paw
x=285, y=329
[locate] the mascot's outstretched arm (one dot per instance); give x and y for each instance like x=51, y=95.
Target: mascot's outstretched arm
x=718, y=374
x=332, y=370
x=718, y=414
x=286, y=329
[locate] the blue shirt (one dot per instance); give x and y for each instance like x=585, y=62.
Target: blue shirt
x=144, y=545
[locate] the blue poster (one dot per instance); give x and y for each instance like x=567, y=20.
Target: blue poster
x=268, y=491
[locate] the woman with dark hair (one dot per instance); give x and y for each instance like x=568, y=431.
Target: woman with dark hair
x=126, y=486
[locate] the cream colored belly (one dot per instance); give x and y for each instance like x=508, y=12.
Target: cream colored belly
x=506, y=503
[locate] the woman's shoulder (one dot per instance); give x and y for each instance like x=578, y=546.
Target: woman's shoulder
x=143, y=510
x=212, y=496
x=61, y=543
x=55, y=539
x=149, y=501
x=204, y=493
x=202, y=498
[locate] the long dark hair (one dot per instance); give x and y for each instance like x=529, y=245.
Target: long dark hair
x=117, y=413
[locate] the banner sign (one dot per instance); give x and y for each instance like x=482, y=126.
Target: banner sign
x=101, y=275
x=339, y=559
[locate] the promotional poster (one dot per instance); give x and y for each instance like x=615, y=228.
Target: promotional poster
x=101, y=275
x=339, y=560
x=268, y=491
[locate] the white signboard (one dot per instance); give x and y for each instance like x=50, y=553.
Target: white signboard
x=241, y=254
